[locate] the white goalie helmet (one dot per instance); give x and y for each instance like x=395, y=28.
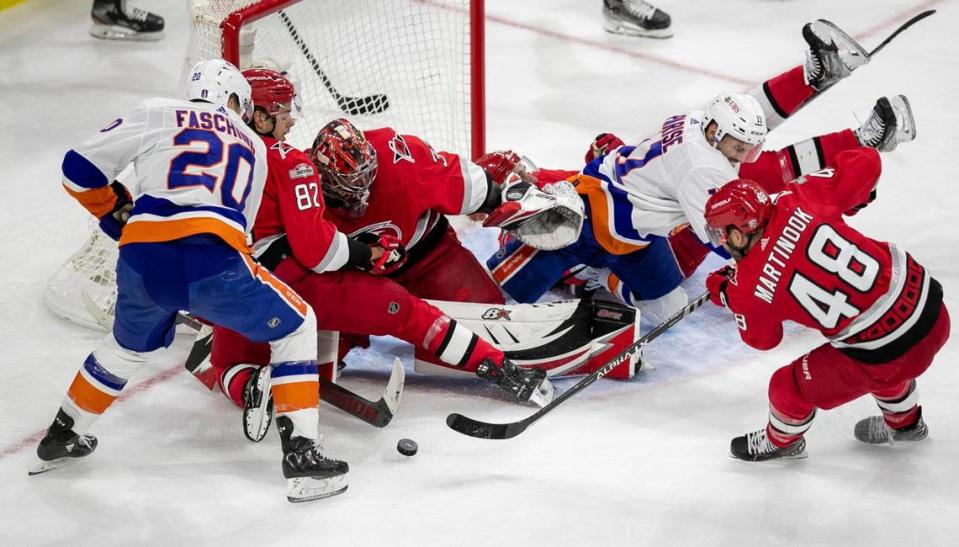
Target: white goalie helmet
x=215, y=80
x=741, y=117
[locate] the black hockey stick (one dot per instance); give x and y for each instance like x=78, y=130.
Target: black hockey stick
x=377, y=414
x=354, y=106
x=901, y=28
x=485, y=430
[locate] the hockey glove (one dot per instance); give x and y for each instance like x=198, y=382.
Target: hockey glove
x=394, y=254
x=547, y=219
x=603, y=143
x=113, y=222
x=498, y=164
x=716, y=283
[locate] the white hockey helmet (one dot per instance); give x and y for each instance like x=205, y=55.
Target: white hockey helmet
x=741, y=117
x=215, y=80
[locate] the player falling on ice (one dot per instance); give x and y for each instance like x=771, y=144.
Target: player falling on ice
x=636, y=196
x=351, y=281
x=182, y=240
x=797, y=260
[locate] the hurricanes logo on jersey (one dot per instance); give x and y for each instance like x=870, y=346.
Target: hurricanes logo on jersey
x=401, y=150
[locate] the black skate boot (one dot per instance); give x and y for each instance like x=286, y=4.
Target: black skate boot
x=635, y=18
x=113, y=20
x=61, y=446
x=756, y=447
x=309, y=474
x=832, y=54
x=889, y=124
x=258, y=409
x=526, y=384
x=873, y=430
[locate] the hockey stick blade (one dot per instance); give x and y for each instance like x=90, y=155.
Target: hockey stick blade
x=901, y=28
x=354, y=106
x=485, y=430
x=377, y=414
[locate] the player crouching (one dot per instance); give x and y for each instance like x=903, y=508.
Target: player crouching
x=797, y=260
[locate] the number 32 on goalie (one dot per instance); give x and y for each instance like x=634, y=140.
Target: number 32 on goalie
x=838, y=256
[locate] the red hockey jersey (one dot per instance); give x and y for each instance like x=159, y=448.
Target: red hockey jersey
x=293, y=204
x=871, y=299
x=414, y=186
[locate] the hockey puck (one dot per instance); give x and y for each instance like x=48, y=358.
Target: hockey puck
x=406, y=447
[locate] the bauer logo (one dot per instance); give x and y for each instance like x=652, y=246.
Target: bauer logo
x=497, y=314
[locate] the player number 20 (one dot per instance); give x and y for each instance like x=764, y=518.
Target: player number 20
x=307, y=195
x=836, y=255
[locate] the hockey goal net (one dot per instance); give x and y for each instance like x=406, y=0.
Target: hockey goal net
x=414, y=65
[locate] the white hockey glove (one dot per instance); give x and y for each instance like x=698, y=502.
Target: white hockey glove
x=547, y=219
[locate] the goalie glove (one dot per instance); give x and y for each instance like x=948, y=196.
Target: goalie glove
x=113, y=222
x=394, y=254
x=549, y=218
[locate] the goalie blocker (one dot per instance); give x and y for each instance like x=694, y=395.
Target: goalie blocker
x=567, y=338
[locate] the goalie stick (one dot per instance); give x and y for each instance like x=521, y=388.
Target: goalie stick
x=486, y=430
x=354, y=106
x=376, y=413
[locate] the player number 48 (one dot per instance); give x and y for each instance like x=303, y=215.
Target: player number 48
x=836, y=255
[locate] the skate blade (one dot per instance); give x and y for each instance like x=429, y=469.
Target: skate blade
x=907, y=123
x=256, y=421
x=301, y=489
x=44, y=466
x=116, y=32
x=856, y=54
x=614, y=27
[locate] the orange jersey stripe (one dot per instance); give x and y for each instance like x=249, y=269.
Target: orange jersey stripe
x=99, y=201
x=87, y=397
x=592, y=188
x=171, y=230
x=508, y=267
x=296, y=396
x=267, y=277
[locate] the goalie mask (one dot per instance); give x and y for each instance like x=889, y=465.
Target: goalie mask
x=215, y=81
x=347, y=163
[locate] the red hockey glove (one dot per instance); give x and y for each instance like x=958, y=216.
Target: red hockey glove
x=498, y=164
x=394, y=254
x=604, y=142
x=716, y=283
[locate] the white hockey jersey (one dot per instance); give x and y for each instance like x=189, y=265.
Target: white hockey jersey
x=199, y=168
x=651, y=188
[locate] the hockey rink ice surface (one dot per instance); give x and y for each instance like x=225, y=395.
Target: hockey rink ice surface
x=643, y=462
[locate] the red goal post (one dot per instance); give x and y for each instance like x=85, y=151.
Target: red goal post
x=414, y=65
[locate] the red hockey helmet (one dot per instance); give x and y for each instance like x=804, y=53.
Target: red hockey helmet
x=272, y=91
x=347, y=162
x=741, y=203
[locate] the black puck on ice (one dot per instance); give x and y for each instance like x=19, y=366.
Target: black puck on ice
x=406, y=447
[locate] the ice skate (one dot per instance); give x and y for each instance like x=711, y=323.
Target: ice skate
x=873, y=430
x=635, y=18
x=116, y=21
x=309, y=474
x=756, y=447
x=890, y=123
x=61, y=446
x=526, y=384
x=832, y=54
x=258, y=409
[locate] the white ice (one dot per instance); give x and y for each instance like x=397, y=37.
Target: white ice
x=643, y=462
